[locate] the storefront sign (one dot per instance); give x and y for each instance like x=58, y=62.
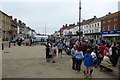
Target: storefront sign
x=111, y=32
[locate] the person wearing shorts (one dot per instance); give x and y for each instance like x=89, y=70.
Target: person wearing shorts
x=88, y=62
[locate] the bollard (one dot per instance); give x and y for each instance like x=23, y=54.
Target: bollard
x=2, y=46
x=9, y=44
x=14, y=43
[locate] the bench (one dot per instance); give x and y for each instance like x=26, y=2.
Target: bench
x=109, y=68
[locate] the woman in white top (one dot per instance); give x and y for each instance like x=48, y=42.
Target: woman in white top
x=95, y=58
x=110, y=50
x=106, y=59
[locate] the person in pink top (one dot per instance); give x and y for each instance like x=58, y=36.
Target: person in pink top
x=106, y=51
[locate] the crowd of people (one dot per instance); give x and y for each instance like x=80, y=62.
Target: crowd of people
x=91, y=52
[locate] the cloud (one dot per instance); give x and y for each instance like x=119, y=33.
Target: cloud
x=39, y=0
x=55, y=14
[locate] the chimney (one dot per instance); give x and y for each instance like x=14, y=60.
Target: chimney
x=15, y=19
x=109, y=13
x=106, y=15
x=83, y=20
x=20, y=22
x=74, y=24
x=65, y=24
x=11, y=17
x=95, y=17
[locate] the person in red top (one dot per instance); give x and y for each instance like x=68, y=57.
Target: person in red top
x=102, y=48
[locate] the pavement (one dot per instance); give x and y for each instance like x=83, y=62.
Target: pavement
x=30, y=62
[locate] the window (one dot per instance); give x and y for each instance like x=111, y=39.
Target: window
x=103, y=28
x=104, y=21
x=87, y=31
x=115, y=26
x=109, y=28
x=90, y=26
x=115, y=19
x=95, y=25
x=108, y=20
x=96, y=30
x=92, y=31
x=98, y=24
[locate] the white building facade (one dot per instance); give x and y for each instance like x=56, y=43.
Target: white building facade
x=93, y=29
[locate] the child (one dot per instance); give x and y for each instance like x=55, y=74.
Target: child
x=54, y=53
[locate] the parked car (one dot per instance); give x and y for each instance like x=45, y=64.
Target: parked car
x=26, y=42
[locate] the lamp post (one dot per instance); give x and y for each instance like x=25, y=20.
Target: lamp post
x=79, y=19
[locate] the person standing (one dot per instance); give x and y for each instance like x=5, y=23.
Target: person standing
x=88, y=62
x=110, y=50
x=78, y=57
x=60, y=48
x=102, y=48
x=73, y=51
x=114, y=55
x=54, y=53
x=94, y=57
x=47, y=53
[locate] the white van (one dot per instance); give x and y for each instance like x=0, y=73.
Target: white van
x=41, y=39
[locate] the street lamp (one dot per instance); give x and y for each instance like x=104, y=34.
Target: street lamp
x=79, y=19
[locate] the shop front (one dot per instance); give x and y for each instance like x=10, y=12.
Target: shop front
x=113, y=35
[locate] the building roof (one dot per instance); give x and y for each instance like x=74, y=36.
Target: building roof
x=87, y=21
x=112, y=15
x=6, y=14
x=97, y=19
x=14, y=23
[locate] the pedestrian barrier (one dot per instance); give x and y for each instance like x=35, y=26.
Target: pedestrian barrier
x=7, y=44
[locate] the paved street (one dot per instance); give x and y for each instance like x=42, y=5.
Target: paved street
x=29, y=62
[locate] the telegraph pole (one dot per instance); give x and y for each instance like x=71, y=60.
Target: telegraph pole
x=79, y=19
x=45, y=29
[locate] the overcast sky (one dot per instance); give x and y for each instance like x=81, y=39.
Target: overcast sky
x=54, y=13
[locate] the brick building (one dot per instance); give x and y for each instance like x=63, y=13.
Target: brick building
x=111, y=25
